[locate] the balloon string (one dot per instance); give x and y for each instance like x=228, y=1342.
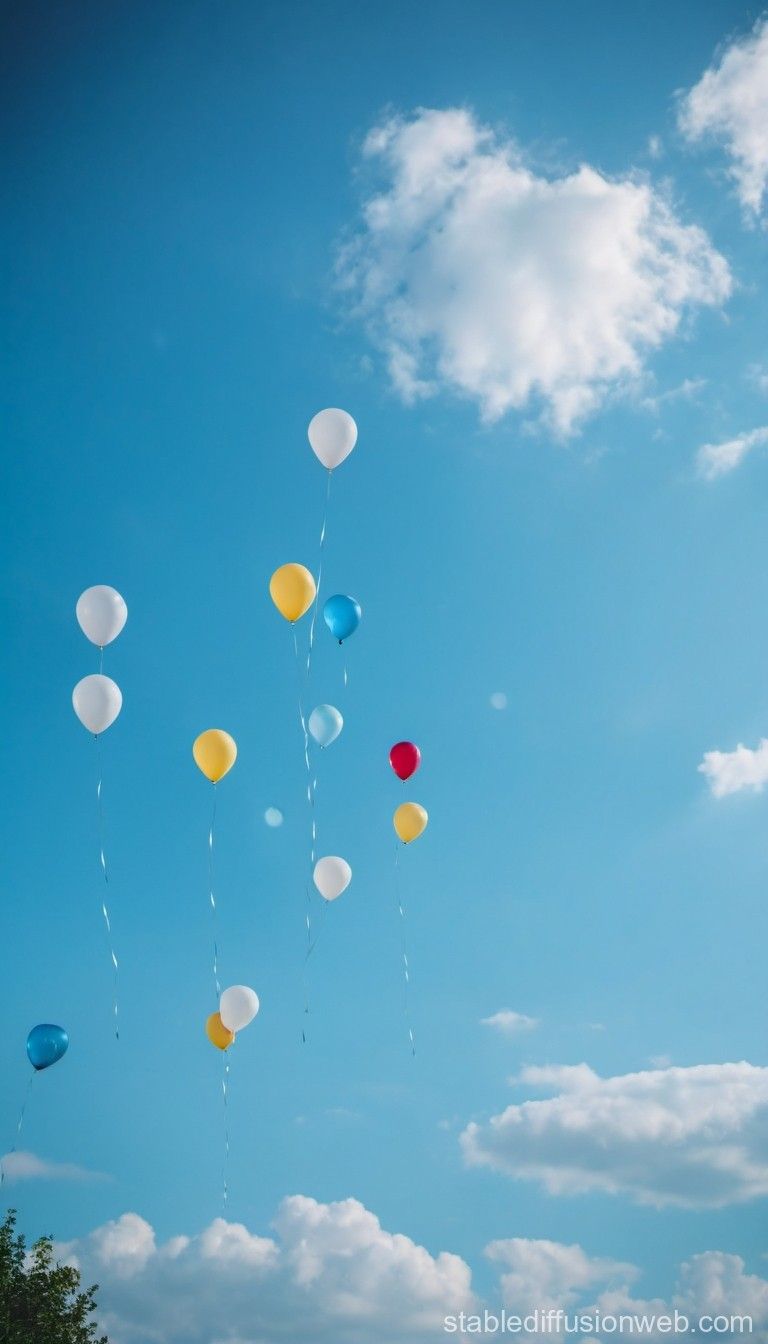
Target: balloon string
x=406, y=967
x=323, y=531
x=101, y=659
x=103, y=862
x=311, y=945
x=311, y=804
x=346, y=674
x=18, y=1126
x=225, y=1096
x=212, y=897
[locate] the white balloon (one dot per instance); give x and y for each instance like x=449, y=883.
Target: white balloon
x=325, y=723
x=102, y=613
x=97, y=701
x=333, y=435
x=238, y=1006
x=332, y=876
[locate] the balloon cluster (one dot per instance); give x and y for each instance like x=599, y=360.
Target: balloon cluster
x=237, y=1008
x=97, y=700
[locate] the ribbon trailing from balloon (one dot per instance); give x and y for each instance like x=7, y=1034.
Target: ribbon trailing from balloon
x=104, y=907
x=214, y=753
x=238, y=1007
x=342, y=615
x=320, y=556
x=293, y=590
x=409, y=821
x=19, y=1125
x=404, y=938
x=97, y=700
x=46, y=1044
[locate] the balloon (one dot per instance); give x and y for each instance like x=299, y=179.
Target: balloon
x=292, y=590
x=97, y=701
x=325, y=723
x=217, y=1033
x=46, y=1044
x=215, y=753
x=333, y=435
x=410, y=820
x=342, y=615
x=405, y=759
x=102, y=613
x=332, y=876
x=238, y=1006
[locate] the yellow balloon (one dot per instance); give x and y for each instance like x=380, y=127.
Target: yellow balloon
x=292, y=590
x=410, y=820
x=217, y=1033
x=215, y=753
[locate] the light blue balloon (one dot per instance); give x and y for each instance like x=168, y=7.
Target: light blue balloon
x=46, y=1044
x=325, y=724
x=342, y=615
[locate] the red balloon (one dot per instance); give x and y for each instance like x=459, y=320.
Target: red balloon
x=405, y=759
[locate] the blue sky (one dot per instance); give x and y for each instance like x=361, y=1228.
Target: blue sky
x=187, y=253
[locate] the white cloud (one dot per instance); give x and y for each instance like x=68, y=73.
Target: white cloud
x=731, y=771
x=510, y=1023
x=26, y=1166
x=687, y=390
x=757, y=376
x=273, y=817
x=694, y=1137
x=331, y=1273
x=715, y=1283
x=476, y=274
x=730, y=104
x=716, y=459
x=547, y=1274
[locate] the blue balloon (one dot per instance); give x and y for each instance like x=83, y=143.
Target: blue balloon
x=325, y=723
x=46, y=1044
x=342, y=615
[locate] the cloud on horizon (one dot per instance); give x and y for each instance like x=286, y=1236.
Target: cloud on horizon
x=474, y=274
x=25, y=1166
x=332, y=1275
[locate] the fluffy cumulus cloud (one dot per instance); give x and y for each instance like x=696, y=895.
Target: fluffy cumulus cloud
x=717, y=459
x=547, y=1274
x=473, y=272
x=694, y=1137
x=730, y=104
x=732, y=771
x=330, y=1272
x=510, y=1023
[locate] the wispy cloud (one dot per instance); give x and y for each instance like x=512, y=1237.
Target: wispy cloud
x=475, y=274
x=510, y=1023
x=687, y=390
x=729, y=104
x=694, y=1137
x=731, y=771
x=26, y=1166
x=717, y=459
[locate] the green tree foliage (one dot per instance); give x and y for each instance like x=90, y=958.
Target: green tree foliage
x=41, y=1302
